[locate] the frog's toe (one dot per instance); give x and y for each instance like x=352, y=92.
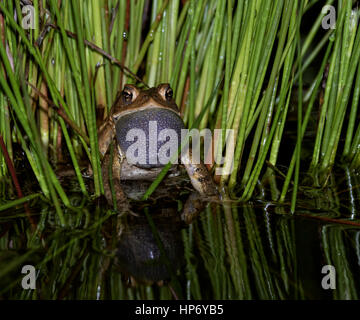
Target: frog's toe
x=133, y=213
x=124, y=206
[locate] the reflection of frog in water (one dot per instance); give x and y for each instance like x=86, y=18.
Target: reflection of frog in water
x=138, y=256
x=135, y=109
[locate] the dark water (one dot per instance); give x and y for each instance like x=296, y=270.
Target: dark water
x=229, y=251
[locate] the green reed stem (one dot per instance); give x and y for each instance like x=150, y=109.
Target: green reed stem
x=185, y=63
x=276, y=67
x=17, y=202
x=341, y=106
x=73, y=157
x=299, y=123
x=352, y=117
x=150, y=37
x=90, y=113
x=306, y=120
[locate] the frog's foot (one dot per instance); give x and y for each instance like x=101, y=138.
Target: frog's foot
x=200, y=177
x=202, y=180
x=123, y=207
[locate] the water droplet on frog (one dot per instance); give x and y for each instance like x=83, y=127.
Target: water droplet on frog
x=125, y=36
x=52, y=61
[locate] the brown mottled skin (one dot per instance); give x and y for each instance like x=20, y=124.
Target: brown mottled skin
x=132, y=101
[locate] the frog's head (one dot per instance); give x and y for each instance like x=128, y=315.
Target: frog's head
x=150, y=112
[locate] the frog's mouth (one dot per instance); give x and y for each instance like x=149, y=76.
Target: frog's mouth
x=150, y=137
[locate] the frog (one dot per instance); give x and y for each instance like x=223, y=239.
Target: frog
x=136, y=107
x=137, y=255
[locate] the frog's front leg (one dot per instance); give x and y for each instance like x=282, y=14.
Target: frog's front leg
x=106, y=134
x=199, y=176
x=120, y=196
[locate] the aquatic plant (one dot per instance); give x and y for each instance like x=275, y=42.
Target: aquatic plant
x=242, y=59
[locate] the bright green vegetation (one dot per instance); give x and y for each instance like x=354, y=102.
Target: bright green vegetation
x=232, y=65
x=241, y=65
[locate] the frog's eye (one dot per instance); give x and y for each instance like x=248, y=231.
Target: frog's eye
x=127, y=96
x=169, y=94
x=166, y=93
